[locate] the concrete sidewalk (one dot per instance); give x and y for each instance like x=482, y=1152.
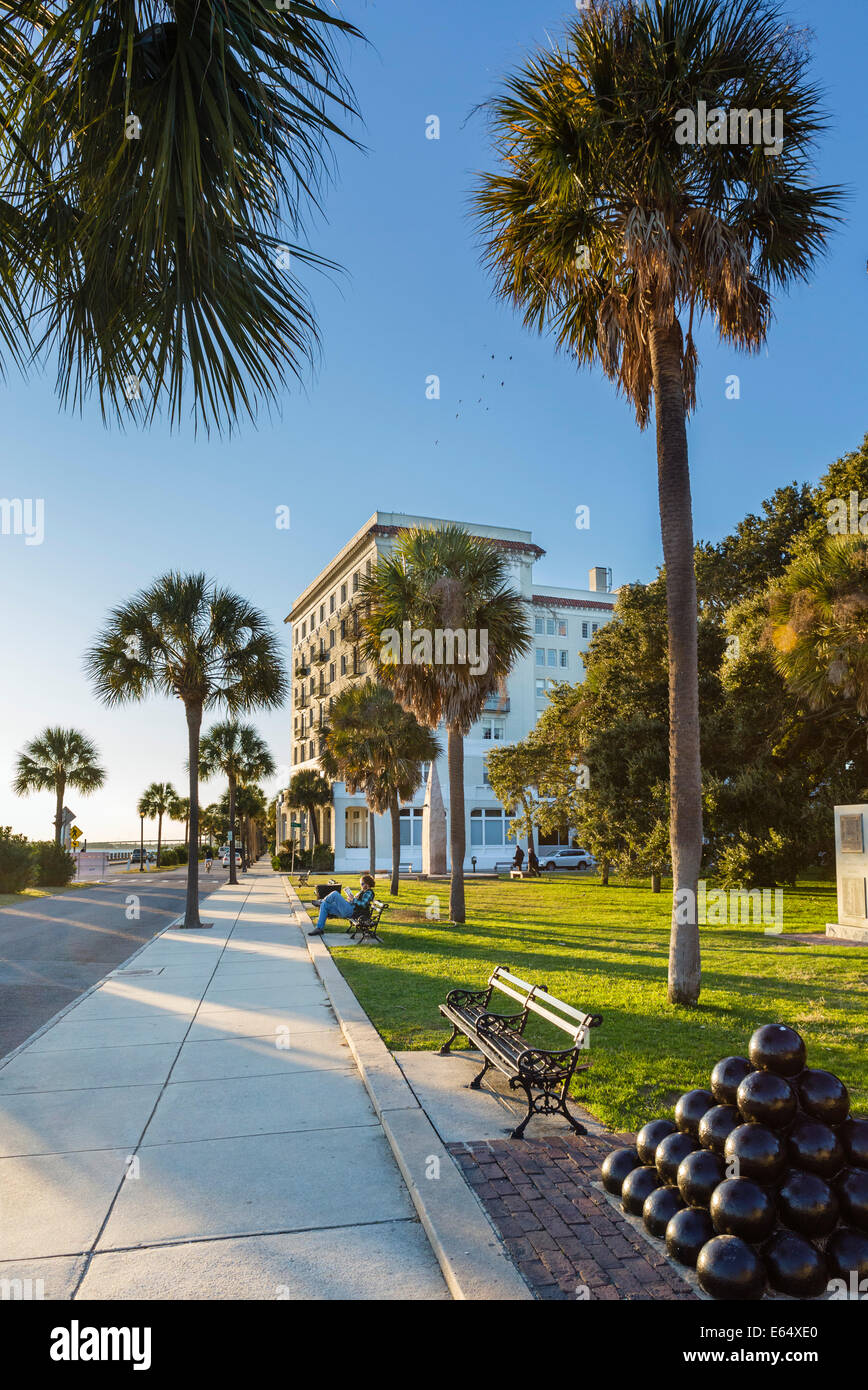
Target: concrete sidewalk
x=196, y=1128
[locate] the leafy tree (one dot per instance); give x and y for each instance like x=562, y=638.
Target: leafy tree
x=54, y=760
x=606, y=230
x=17, y=862
x=155, y=802
x=310, y=790
x=186, y=637
x=449, y=580
x=237, y=751
x=180, y=811
x=159, y=160
x=375, y=746
x=513, y=774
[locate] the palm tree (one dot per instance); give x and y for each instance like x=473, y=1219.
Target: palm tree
x=607, y=232
x=180, y=811
x=54, y=760
x=375, y=746
x=157, y=161
x=310, y=790
x=157, y=801
x=236, y=751
x=211, y=822
x=818, y=626
x=186, y=637
x=445, y=580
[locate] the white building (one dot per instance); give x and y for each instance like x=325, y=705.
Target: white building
x=325, y=657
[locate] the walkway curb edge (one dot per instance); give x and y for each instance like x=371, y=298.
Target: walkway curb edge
x=469, y=1250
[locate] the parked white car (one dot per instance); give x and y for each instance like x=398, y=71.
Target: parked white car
x=566, y=859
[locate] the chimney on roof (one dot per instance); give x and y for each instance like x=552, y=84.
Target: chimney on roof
x=599, y=579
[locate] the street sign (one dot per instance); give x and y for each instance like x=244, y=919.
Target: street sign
x=295, y=825
x=75, y=834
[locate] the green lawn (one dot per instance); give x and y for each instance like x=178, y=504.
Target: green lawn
x=605, y=949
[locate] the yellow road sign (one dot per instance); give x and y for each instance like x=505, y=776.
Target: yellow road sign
x=75, y=834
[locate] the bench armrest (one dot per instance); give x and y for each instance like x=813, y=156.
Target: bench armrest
x=468, y=996
x=515, y=1022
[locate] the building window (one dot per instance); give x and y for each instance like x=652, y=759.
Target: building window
x=562, y=627
x=553, y=657
x=550, y=627
x=538, y=626
x=411, y=827
x=343, y=593
x=332, y=671
x=584, y=629
x=356, y=582
x=310, y=746
x=322, y=612
x=565, y=658
x=540, y=689
x=332, y=604
x=356, y=828
x=594, y=627
x=331, y=638
x=295, y=755
x=304, y=629
x=343, y=628
x=487, y=827
x=310, y=687
x=343, y=666
x=492, y=729
x=540, y=656
x=368, y=568
x=313, y=620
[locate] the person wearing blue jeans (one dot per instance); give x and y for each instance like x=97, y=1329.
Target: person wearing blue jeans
x=336, y=905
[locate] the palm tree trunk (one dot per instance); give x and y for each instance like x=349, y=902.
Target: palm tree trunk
x=685, y=769
x=314, y=824
x=191, y=907
x=233, y=877
x=372, y=836
x=457, y=841
x=159, y=835
x=395, y=812
x=141, y=844
x=60, y=788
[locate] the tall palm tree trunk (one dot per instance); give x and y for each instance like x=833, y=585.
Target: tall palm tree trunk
x=314, y=824
x=233, y=877
x=159, y=835
x=60, y=788
x=141, y=844
x=685, y=771
x=373, y=839
x=457, y=839
x=191, y=907
x=395, y=813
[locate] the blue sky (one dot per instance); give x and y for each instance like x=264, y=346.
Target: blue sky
x=121, y=508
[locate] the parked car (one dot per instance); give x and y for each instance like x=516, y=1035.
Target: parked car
x=136, y=855
x=225, y=860
x=566, y=859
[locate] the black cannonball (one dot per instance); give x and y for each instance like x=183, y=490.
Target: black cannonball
x=767, y=1099
x=698, y=1175
x=823, y=1096
x=794, y=1266
x=726, y=1078
x=807, y=1204
x=815, y=1147
x=649, y=1137
x=774, y=1047
x=854, y=1137
x=670, y=1152
x=740, y=1207
x=690, y=1110
x=759, y=1153
x=688, y=1231
x=616, y=1166
x=846, y=1253
x=852, y=1189
x=728, y=1268
x=716, y=1125
x=659, y=1209
x=636, y=1187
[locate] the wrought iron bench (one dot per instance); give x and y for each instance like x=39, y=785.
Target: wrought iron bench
x=365, y=925
x=544, y=1075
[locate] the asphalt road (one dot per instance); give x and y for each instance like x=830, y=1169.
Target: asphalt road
x=53, y=949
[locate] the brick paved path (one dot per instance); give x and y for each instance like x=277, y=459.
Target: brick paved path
x=560, y=1230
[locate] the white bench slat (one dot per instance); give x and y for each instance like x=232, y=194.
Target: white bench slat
x=535, y=999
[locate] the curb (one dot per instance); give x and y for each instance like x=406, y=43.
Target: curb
x=469, y=1250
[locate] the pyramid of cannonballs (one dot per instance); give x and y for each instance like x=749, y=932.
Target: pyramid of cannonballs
x=761, y=1182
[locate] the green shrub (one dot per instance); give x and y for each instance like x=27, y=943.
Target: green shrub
x=54, y=866
x=180, y=853
x=282, y=863
x=17, y=862
x=754, y=861
x=323, y=859
x=167, y=858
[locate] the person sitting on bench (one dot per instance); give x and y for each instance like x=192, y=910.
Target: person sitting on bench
x=336, y=905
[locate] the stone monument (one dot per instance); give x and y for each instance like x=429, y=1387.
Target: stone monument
x=434, y=826
x=851, y=873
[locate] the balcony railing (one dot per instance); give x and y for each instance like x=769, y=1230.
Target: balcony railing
x=496, y=704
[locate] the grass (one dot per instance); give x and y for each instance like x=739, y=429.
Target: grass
x=606, y=950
